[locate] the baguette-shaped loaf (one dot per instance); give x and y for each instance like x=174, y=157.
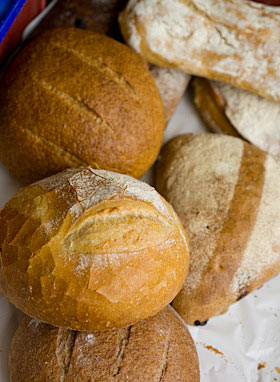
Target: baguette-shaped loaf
x=157, y=349
x=91, y=250
x=102, y=17
x=233, y=41
x=237, y=112
x=227, y=194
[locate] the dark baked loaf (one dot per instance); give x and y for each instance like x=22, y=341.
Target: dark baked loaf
x=226, y=193
x=74, y=98
x=102, y=17
x=98, y=16
x=157, y=349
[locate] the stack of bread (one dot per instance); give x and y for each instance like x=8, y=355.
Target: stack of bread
x=94, y=256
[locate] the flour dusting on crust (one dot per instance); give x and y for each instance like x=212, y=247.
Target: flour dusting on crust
x=234, y=41
x=255, y=118
x=263, y=247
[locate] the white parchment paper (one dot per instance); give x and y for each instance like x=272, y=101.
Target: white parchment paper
x=242, y=345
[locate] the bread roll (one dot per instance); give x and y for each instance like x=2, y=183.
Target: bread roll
x=232, y=41
x=236, y=112
x=102, y=17
x=91, y=250
x=227, y=194
x=75, y=98
x=157, y=349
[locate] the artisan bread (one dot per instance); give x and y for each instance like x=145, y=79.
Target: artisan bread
x=227, y=194
x=232, y=41
x=237, y=112
x=75, y=98
x=157, y=349
x=102, y=17
x=91, y=250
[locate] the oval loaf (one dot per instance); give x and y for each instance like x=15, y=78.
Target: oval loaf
x=157, y=349
x=91, y=250
x=232, y=41
x=227, y=194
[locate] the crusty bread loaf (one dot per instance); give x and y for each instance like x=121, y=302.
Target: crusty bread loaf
x=102, y=17
x=237, y=112
x=227, y=194
x=157, y=349
x=232, y=41
x=91, y=250
x=75, y=98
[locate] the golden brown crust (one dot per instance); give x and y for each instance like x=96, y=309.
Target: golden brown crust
x=226, y=205
x=159, y=348
x=85, y=99
x=211, y=107
x=91, y=250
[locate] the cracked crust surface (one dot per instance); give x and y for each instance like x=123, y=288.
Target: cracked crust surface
x=84, y=99
x=232, y=41
x=91, y=250
x=158, y=349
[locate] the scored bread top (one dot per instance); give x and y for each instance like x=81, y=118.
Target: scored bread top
x=225, y=192
x=85, y=99
x=159, y=348
x=101, y=17
x=233, y=41
x=91, y=250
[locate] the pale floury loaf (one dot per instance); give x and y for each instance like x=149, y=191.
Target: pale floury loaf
x=254, y=118
x=234, y=41
x=91, y=250
x=226, y=193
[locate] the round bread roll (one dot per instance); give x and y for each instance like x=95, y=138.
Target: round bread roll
x=227, y=194
x=75, y=98
x=157, y=349
x=91, y=250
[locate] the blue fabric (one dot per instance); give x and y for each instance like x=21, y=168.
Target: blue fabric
x=4, y=7
x=9, y=10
